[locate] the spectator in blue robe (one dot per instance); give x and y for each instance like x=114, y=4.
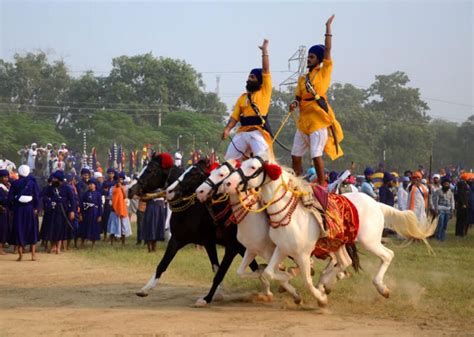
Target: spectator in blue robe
x=91, y=212
x=23, y=199
x=62, y=212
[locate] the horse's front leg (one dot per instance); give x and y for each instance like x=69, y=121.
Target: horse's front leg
x=171, y=249
x=230, y=253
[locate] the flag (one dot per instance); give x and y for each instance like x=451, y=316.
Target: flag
x=119, y=158
x=94, y=159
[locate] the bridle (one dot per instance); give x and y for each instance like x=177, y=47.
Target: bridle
x=215, y=186
x=245, y=179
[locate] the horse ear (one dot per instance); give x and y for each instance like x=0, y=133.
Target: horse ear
x=272, y=170
x=166, y=160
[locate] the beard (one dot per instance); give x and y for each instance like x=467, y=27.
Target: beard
x=55, y=183
x=252, y=86
x=445, y=188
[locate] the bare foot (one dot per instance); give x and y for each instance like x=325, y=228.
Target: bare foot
x=33, y=258
x=19, y=258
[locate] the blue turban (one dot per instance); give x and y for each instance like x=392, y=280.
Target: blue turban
x=368, y=171
x=85, y=171
x=110, y=170
x=333, y=176
x=406, y=179
x=4, y=173
x=59, y=175
x=311, y=171
x=92, y=181
x=445, y=179
x=317, y=50
x=258, y=73
x=387, y=177
x=69, y=177
x=122, y=175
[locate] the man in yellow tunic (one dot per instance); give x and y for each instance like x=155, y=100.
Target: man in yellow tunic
x=317, y=127
x=251, y=111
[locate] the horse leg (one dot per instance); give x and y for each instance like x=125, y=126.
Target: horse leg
x=270, y=271
x=386, y=255
x=247, y=259
x=229, y=255
x=323, y=279
x=305, y=266
x=342, y=261
x=212, y=254
x=171, y=250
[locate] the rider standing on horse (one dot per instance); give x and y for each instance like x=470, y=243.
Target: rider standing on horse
x=251, y=111
x=317, y=127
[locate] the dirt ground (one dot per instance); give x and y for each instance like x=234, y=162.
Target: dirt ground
x=68, y=295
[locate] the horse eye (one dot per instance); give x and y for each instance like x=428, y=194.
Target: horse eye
x=253, y=168
x=221, y=175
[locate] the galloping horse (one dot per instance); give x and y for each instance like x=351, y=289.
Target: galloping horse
x=191, y=222
x=252, y=228
x=295, y=231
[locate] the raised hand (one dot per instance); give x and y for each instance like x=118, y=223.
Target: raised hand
x=264, y=46
x=330, y=20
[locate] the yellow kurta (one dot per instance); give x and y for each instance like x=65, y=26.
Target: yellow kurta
x=312, y=116
x=262, y=99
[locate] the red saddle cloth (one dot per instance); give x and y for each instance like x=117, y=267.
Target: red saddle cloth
x=342, y=222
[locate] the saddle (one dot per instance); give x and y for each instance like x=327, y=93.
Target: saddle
x=315, y=200
x=337, y=217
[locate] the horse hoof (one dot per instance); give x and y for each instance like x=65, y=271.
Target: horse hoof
x=327, y=290
x=297, y=300
x=323, y=301
x=218, y=297
x=141, y=294
x=281, y=289
x=200, y=303
x=385, y=293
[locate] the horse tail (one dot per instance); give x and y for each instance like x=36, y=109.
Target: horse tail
x=407, y=225
x=352, y=251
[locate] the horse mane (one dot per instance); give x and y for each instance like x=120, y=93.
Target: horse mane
x=297, y=182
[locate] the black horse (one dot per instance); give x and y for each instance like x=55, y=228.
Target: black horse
x=191, y=221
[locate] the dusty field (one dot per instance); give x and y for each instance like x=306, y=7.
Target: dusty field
x=69, y=295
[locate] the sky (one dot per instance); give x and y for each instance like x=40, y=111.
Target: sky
x=432, y=42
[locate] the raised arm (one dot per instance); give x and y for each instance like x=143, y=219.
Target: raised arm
x=265, y=59
x=328, y=38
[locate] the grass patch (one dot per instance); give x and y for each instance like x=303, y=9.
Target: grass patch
x=427, y=290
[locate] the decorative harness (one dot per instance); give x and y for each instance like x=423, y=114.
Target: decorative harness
x=183, y=203
x=289, y=207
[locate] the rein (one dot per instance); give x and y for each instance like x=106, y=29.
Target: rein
x=289, y=207
x=187, y=202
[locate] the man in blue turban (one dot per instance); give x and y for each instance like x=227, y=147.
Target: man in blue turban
x=367, y=186
x=317, y=128
x=82, y=185
x=251, y=109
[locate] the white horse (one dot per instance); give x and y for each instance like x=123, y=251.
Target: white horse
x=252, y=227
x=295, y=231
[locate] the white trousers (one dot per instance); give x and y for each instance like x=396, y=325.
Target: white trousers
x=316, y=142
x=247, y=143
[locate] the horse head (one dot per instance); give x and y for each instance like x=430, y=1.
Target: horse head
x=253, y=173
x=187, y=183
x=153, y=176
x=213, y=183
